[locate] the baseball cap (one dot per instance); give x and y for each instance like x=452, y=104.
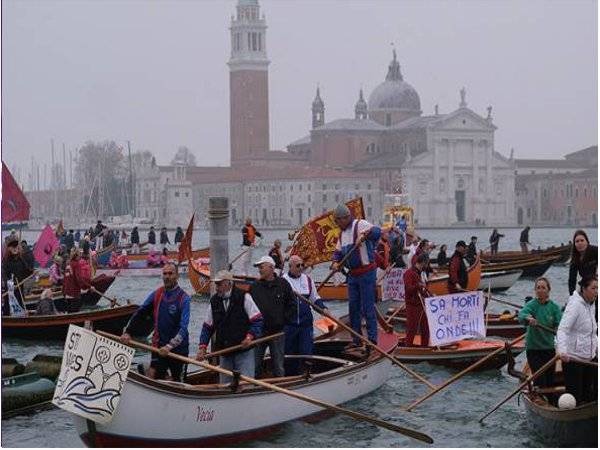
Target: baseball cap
x=222, y=275
x=264, y=259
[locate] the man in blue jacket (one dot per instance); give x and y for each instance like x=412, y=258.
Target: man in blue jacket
x=169, y=307
x=299, y=331
x=362, y=269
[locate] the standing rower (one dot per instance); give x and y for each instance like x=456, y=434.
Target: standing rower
x=249, y=233
x=458, y=278
x=362, y=269
x=414, y=290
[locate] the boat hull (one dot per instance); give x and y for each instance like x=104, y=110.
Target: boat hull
x=200, y=279
x=577, y=427
x=100, y=282
x=499, y=281
x=562, y=254
x=138, y=272
x=213, y=419
x=56, y=327
x=459, y=356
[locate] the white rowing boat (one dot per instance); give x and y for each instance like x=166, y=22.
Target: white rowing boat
x=499, y=281
x=202, y=413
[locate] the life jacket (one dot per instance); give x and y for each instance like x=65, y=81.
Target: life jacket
x=231, y=326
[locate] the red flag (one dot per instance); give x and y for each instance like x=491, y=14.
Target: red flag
x=45, y=246
x=185, y=246
x=15, y=207
x=317, y=239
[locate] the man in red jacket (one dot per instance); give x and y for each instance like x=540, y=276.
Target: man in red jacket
x=458, y=277
x=414, y=292
x=74, y=282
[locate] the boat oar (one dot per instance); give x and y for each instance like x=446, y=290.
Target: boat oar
x=235, y=348
x=341, y=263
x=238, y=257
x=398, y=311
x=582, y=361
x=366, y=341
x=473, y=366
x=528, y=380
x=356, y=415
x=113, y=301
x=21, y=283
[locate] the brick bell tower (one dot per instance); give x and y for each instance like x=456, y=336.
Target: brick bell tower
x=248, y=84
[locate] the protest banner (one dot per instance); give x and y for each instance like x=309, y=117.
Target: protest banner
x=454, y=317
x=92, y=375
x=393, y=285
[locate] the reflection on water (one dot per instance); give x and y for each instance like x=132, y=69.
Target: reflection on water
x=450, y=417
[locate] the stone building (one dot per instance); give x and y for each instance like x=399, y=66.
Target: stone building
x=559, y=192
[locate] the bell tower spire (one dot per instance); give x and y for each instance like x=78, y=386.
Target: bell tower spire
x=248, y=83
x=318, y=110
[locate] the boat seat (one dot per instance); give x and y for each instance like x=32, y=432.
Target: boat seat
x=550, y=390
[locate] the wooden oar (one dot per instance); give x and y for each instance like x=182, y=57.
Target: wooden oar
x=385, y=273
x=235, y=348
x=230, y=265
x=113, y=301
x=398, y=311
x=582, y=361
x=529, y=379
x=366, y=341
x=341, y=263
x=21, y=283
x=463, y=372
x=356, y=415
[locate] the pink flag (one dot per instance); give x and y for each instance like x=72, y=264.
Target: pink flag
x=45, y=246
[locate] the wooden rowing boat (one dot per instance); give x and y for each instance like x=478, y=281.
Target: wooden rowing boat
x=500, y=325
x=173, y=254
x=459, y=355
x=135, y=272
x=200, y=279
x=111, y=320
x=101, y=283
x=575, y=427
x=532, y=268
x=499, y=281
x=563, y=252
x=209, y=414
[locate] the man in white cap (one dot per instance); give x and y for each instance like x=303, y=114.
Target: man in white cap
x=277, y=303
x=299, y=333
x=236, y=320
x=362, y=269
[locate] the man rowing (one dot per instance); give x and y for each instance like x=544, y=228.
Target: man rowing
x=357, y=241
x=169, y=308
x=249, y=234
x=458, y=278
x=299, y=333
x=414, y=291
x=234, y=319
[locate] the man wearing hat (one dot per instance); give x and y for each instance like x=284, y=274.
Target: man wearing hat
x=277, y=303
x=458, y=277
x=15, y=268
x=299, y=333
x=236, y=320
x=362, y=268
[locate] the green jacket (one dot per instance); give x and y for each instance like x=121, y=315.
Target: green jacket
x=548, y=314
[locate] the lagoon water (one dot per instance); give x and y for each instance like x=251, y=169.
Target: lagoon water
x=450, y=417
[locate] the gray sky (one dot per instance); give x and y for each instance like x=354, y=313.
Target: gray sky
x=155, y=72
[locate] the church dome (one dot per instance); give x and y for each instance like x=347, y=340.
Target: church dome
x=394, y=93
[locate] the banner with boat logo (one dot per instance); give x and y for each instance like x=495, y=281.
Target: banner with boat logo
x=92, y=375
x=315, y=242
x=453, y=317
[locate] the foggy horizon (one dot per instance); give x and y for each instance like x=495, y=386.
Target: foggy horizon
x=155, y=73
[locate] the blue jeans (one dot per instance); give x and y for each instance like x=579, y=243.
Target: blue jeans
x=298, y=341
x=361, y=303
x=241, y=361
x=276, y=348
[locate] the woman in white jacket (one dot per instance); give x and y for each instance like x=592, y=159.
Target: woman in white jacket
x=577, y=338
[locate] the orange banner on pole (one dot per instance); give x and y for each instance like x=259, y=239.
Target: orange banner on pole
x=316, y=240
